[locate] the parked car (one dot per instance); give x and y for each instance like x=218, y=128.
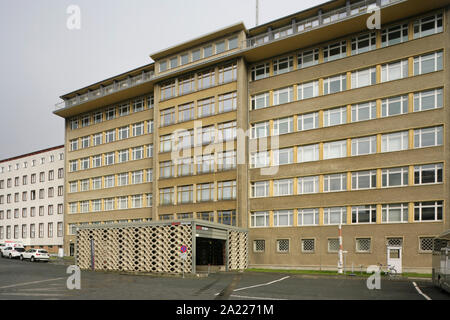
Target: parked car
x=35, y=255
x=12, y=252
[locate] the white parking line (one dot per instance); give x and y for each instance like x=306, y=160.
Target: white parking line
x=262, y=284
x=255, y=298
x=420, y=291
x=31, y=294
x=27, y=283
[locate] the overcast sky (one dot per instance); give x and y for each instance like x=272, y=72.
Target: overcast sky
x=41, y=59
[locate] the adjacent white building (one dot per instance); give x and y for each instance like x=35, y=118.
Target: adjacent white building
x=32, y=199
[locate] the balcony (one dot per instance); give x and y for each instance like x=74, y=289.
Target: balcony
x=321, y=20
x=116, y=86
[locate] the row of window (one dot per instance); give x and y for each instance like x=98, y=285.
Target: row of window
x=110, y=113
x=51, y=177
x=113, y=203
x=205, y=108
x=32, y=210
x=390, y=213
x=110, y=181
x=392, y=106
x=359, y=44
x=360, y=180
x=199, y=81
x=225, y=190
x=110, y=158
x=309, y=245
x=41, y=194
x=125, y=132
x=34, y=162
x=423, y=64
x=30, y=231
x=199, y=53
x=390, y=142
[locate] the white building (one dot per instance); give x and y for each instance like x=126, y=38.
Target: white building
x=32, y=199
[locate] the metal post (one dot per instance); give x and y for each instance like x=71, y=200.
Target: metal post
x=257, y=12
x=340, y=250
x=92, y=255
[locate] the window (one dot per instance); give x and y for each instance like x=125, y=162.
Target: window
x=308, y=245
x=282, y=96
x=227, y=217
x=122, y=203
x=74, y=145
x=259, y=246
x=260, y=189
x=283, y=65
x=364, y=111
x=283, y=245
x=60, y=175
x=185, y=167
x=426, y=244
x=150, y=102
x=149, y=199
x=283, y=156
x=227, y=131
x=428, y=173
x=426, y=100
x=84, y=163
x=428, y=211
x=308, y=153
x=122, y=179
x=85, y=121
x=395, y=70
x=308, y=58
x=308, y=217
x=42, y=177
x=207, y=51
x=184, y=59
x=428, y=137
x=428, y=25
x=173, y=62
x=335, y=84
x=150, y=126
x=337, y=149
x=110, y=136
x=394, y=213
x=226, y=160
x=260, y=71
x=205, y=192
x=363, y=245
x=162, y=66
x=96, y=161
x=74, y=124
x=207, y=216
x=227, y=102
x=394, y=141
x=166, y=196
x=364, y=214
x=428, y=63
x=335, y=182
x=308, y=185
x=167, y=117
x=166, y=169
x=84, y=206
x=73, y=207
x=206, y=107
x=205, y=163
x=364, y=180
x=109, y=158
x=60, y=208
x=335, y=116
x=260, y=130
x=109, y=181
x=109, y=204
x=110, y=113
x=149, y=148
x=124, y=110
x=364, y=146
x=123, y=156
x=363, y=43
x=283, y=187
x=333, y=245
x=394, y=106
x=308, y=90
x=226, y=190
x=283, y=218
x=206, y=79
x=335, y=51
x=60, y=229
x=335, y=215
x=186, y=85
x=137, y=153
x=84, y=185
x=260, y=101
x=232, y=43
x=308, y=121
x=196, y=55
x=227, y=73
x=138, y=129
x=149, y=175
x=168, y=90
x=137, y=177
x=363, y=78
x=393, y=35
x=259, y=159
x=124, y=132
x=136, y=201
x=283, y=126
x=96, y=205
x=186, y=112
x=97, y=139
x=394, y=177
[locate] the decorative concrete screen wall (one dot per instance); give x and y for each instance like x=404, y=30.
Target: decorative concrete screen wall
x=237, y=250
x=143, y=248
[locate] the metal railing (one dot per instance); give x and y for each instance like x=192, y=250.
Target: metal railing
x=107, y=90
x=352, y=10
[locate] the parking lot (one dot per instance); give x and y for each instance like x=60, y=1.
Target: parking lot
x=27, y=280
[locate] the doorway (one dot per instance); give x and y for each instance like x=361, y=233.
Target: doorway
x=210, y=252
x=394, y=258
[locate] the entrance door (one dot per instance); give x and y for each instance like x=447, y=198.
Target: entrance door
x=72, y=249
x=394, y=258
x=210, y=252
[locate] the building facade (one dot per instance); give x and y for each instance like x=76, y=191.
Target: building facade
x=32, y=199
x=288, y=129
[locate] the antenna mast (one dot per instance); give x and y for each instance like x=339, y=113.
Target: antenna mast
x=257, y=12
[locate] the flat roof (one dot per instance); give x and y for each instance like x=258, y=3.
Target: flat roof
x=32, y=153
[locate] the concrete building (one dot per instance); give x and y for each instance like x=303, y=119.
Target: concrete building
x=32, y=199
x=354, y=121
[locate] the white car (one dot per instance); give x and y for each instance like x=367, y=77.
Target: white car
x=35, y=255
x=12, y=252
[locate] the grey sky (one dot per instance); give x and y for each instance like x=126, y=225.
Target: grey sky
x=41, y=59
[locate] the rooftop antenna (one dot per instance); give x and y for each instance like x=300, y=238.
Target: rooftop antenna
x=257, y=12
